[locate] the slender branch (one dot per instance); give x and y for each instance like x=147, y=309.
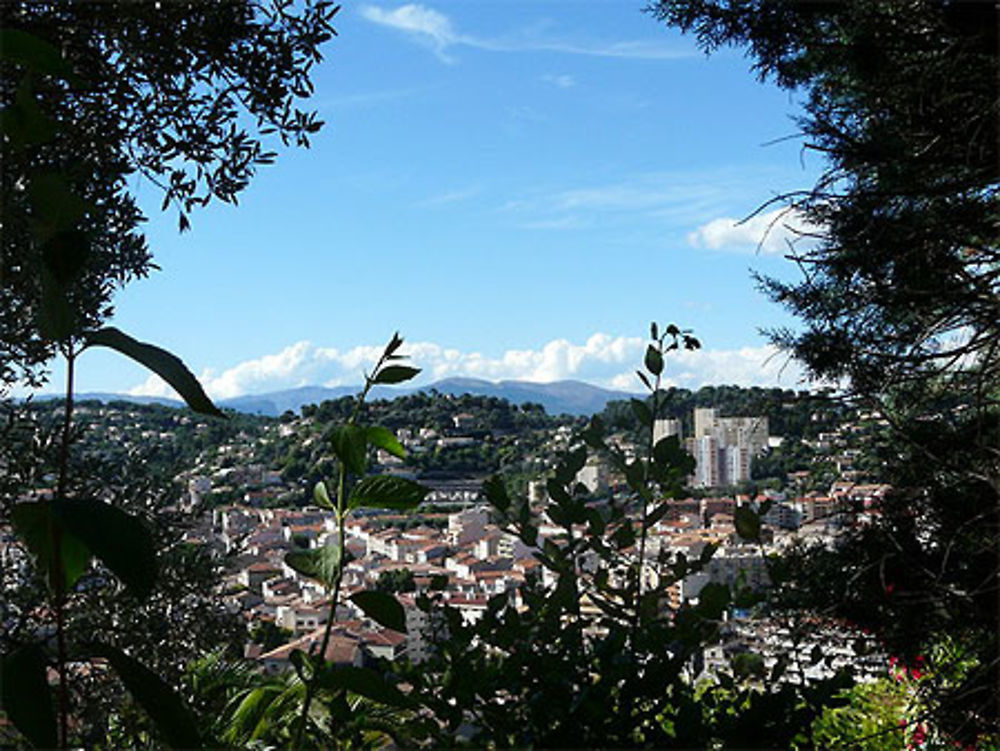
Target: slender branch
x=58, y=579
x=341, y=511
x=331, y=616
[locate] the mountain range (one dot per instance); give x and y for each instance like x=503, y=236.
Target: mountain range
x=558, y=397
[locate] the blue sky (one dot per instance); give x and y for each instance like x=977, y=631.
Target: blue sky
x=519, y=188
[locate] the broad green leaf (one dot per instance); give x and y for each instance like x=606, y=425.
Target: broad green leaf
x=321, y=496
x=386, y=440
x=748, y=665
x=654, y=360
x=120, y=540
x=23, y=122
x=55, y=316
x=386, y=491
x=25, y=696
x=707, y=552
x=161, y=362
x=382, y=608
x=642, y=413
x=364, y=682
x=395, y=374
x=350, y=445
x=747, y=523
x=593, y=435
x=28, y=51
x=495, y=490
x=321, y=564
x=65, y=254
x=36, y=525
x=55, y=203
x=635, y=475
x=161, y=703
x=668, y=452
x=570, y=464
x=713, y=600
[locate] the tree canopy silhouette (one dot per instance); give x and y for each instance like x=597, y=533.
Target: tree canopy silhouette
x=183, y=94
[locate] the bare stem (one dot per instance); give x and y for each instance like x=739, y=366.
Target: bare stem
x=341, y=558
x=58, y=580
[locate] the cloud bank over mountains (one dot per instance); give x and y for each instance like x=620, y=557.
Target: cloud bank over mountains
x=602, y=360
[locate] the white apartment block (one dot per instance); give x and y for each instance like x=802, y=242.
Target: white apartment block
x=724, y=447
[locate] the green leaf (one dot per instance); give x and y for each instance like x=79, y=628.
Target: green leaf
x=350, y=445
x=748, y=665
x=386, y=491
x=161, y=362
x=642, y=413
x=438, y=582
x=55, y=203
x=321, y=564
x=570, y=464
x=780, y=666
x=120, y=540
x=55, y=316
x=707, y=552
x=320, y=495
x=23, y=122
x=593, y=434
x=365, y=682
x=747, y=523
x=386, y=440
x=635, y=475
x=654, y=360
x=713, y=600
x=383, y=608
x=303, y=664
x=36, y=525
x=161, y=703
x=656, y=514
x=65, y=254
x=25, y=696
x=395, y=374
x=395, y=343
x=34, y=54
x=654, y=331
x=495, y=490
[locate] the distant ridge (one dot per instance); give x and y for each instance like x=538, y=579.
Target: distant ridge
x=558, y=397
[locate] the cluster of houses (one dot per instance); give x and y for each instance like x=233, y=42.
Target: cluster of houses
x=477, y=560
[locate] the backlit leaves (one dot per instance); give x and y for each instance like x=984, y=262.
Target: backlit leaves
x=384, y=491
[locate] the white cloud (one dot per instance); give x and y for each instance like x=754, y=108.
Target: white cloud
x=562, y=81
x=449, y=197
x=425, y=24
x=435, y=30
x=153, y=386
x=670, y=198
x=770, y=233
x=601, y=359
